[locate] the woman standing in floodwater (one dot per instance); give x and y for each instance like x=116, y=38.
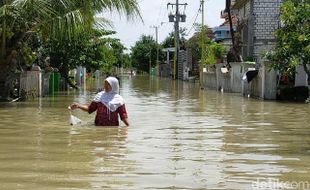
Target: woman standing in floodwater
x=108, y=103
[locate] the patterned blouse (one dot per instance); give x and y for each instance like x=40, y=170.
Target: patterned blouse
x=104, y=117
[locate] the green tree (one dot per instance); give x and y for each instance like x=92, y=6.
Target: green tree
x=127, y=63
x=52, y=19
x=91, y=49
x=213, y=50
x=143, y=53
x=293, y=38
x=169, y=40
x=57, y=20
x=118, y=51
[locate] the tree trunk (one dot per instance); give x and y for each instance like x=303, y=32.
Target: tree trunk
x=7, y=65
x=232, y=32
x=3, y=76
x=7, y=78
x=64, y=70
x=234, y=51
x=3, y=44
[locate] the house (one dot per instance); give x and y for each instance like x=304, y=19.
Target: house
x=222, y=33
x=258, y=20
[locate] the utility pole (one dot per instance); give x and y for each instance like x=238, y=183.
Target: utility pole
x=176, y=19
x=150, y=63
x=202, y=43
x=176, y=37
x=157, y=49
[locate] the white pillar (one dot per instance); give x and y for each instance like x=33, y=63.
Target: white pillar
x=168, y=59
x=84, y=75
x=263, y=70
x=40, y=84
x=78, y=75
x=301, y=78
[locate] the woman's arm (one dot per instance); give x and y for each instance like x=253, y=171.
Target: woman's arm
x=125, y=120
x=79, y=106
x=123, y=114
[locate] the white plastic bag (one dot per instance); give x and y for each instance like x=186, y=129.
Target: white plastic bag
x=73, y=120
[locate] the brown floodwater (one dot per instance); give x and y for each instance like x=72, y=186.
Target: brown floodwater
x=180, y=137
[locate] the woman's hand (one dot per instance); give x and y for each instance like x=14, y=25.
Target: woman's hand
x=74, y=106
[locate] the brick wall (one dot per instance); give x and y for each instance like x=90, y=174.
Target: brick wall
x=261, y=18
x=243, y=11
x=266, y=20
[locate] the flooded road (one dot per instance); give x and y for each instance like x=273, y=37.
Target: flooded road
x=180, y=137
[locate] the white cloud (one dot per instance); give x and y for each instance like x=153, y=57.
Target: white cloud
x=154, y=12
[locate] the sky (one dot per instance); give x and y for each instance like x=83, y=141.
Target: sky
x=155, y=13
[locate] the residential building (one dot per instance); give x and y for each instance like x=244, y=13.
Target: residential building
x=258, y=20
x=222, y=33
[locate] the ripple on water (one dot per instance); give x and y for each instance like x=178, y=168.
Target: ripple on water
x=180, y=137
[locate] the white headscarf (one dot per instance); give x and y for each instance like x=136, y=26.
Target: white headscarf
x=112, y=100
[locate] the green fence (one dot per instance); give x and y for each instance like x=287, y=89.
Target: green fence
x=54, y=82
x=153, y=71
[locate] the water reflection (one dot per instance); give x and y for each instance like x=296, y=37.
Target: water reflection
x=107, y=151
x=181, y=138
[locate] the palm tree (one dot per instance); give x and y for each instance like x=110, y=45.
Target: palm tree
x=20, y=20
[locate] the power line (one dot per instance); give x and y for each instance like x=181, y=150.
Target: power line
x=160, y=11
x=194, y=20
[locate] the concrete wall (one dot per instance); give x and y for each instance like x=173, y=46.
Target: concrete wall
x=224, y=79
x=165, y=70
x=30, y=84
x=264, y=86
x=37, y=84
x=214, y=79
x=210, y=80
x=301, y=78
x=237, y=70
x=229, y=82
